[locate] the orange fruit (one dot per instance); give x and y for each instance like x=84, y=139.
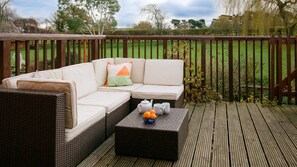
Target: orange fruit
x=153, y=116
x=146, y=115
x=152, y=111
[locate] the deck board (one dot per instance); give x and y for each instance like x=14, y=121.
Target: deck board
x=254, y=149
x=203, y=149
x=223, y=134
x=194, y=126
x=237, y=148
x=270, y=146
x=284, y=142
x=220, y=145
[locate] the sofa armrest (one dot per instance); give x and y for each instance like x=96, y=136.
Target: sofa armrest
x=32, y=128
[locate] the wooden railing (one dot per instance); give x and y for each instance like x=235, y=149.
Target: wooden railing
x=23, y=53
x=236, y=67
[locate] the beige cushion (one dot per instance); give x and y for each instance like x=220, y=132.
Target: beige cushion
x=163, y=72
x=55, y=85
x=100, y=68
x=49, y=74
x=87, y=116
x=11, y=83
x=109, y=100
x=83, y=76
x=137, y=73
x=129, y=88
x=119, y=74
x=158, y=92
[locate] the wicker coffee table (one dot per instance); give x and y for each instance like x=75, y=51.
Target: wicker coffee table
x=162, y=140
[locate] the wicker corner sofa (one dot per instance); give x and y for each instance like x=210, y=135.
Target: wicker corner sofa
x=58, y=117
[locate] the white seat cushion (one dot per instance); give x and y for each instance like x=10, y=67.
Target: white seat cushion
x=164, y=72
x=83, y=76
x=49, y=74
x=87, y=116
x=11, y=83
x=129, y=88
x=158, y=92
x=137, y=73
x=100, y=68
x=109, y=100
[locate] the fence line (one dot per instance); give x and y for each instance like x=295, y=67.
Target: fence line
x=236, y=67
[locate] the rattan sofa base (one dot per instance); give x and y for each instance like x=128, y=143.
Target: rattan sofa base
x=32, y=130
x=35, y=132
x=116, y=116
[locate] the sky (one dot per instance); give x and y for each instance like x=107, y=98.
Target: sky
x=129, y=13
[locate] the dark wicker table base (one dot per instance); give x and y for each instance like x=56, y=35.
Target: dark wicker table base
x=162, y=140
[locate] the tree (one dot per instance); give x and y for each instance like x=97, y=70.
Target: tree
x=70, y=17
x=95, y=16
x=222, y=25
x=192, y=23
x=26, y=25
x=155, y=14
x=176, y=23
x=6, y=12
x=101, y=13
x=143, y=25
x=284, y=10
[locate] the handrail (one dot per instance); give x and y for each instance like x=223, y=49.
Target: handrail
x=29, y=37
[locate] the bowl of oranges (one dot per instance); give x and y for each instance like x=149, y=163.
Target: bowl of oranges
x=149, y=117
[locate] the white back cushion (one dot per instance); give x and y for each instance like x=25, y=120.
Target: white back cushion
x=100, y=68
x=137, y=73
x=49, y=74
x=83, y=76
x=55, y=85
x=164, y=72
x=11, y=83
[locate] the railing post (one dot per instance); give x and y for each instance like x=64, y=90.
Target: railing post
x=230, y=70
x=60, y=53
x=95, y=52
x=289, y=68
x=17, y=58
x=125, y=48
x=5, y=70
x=203, y=61
x=272, y=65
x=279, y=70
x=164, y=48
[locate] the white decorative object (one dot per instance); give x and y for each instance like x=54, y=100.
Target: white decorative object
x=144, y=106
x=159, y=108
x=166, y=107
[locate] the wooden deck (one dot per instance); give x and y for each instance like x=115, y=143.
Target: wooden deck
x=224, y=134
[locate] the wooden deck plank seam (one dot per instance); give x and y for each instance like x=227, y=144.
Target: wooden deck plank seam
x=243, y=136
x=285, y=123
x=266, y=149
x=280, y=137
x=228, y=134
x=255, y=157
x=285, y=143
x=196, y=109
x=212, y=141
x=200, y=123
x=266, y=145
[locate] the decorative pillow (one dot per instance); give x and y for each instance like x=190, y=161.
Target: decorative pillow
x=68, y=87
x=119, y=74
